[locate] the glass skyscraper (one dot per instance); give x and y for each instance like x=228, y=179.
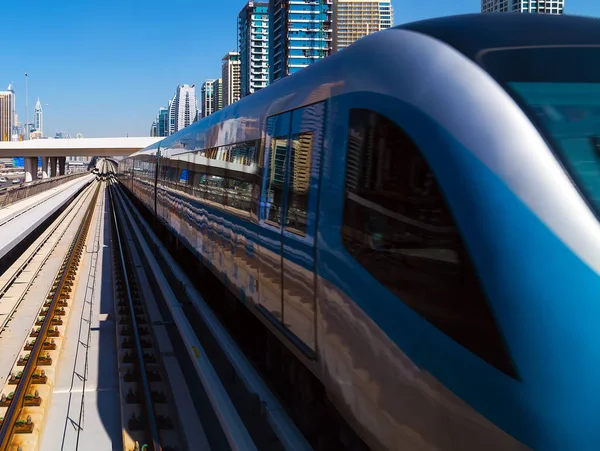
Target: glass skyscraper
x=300, y=34
x=523, y=6
x=253, y=42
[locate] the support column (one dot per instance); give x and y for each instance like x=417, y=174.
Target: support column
x=62, y=165
x=45, y=162
x=30, y=169
x=52, y=166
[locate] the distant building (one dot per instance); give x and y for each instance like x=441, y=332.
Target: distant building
x=35, y=135
x=182, y=108
x=160, y=126
x=253, y=42
x=208, y=98
x=230, y=74
x=354, y=19
x=523, y=6
x=7, y=113
x=218, y=93
x=300, y=35
x=38, y=118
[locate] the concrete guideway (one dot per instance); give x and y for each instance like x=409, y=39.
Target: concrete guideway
x=85, y=396
x=59, y=279
x=18, y=220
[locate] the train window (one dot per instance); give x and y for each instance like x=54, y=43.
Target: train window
x=298, y=185
x=398, y=227
x=276, y=179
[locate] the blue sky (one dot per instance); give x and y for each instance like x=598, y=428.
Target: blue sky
x=106, y=66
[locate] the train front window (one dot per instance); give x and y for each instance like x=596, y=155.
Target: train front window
x=398, y=227
x=559, y=88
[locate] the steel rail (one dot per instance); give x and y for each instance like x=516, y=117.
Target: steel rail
x=33, y=255
x=150, y=416
x=7, y=429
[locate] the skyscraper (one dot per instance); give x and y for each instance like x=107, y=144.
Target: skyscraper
x=163, y=121
x=182, y=108
x=353, y=19
x=38, y=118
x=300, y=34
x=208, y=98
x=523, y=6
x=218, y=94
x=7, y=113
x=253, y=42
x=160, y=125
x=230, y=73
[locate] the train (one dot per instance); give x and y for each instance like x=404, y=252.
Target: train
x=415, y=218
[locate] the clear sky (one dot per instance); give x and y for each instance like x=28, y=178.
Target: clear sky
x=104, y=67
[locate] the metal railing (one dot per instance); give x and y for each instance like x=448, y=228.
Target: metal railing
x=12, y=194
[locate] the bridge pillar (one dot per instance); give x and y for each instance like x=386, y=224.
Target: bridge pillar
x=30, y=169
x=45, y=173
x=62, y=165
x=52, y=166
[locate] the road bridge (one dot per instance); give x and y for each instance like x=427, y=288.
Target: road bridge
x=54, y=151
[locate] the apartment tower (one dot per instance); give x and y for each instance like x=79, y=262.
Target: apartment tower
x=300, y=34
x=523, y=6
x=354, y=19
x=253, y=43
x=230, y=74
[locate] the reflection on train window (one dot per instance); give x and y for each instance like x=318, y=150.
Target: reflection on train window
x=398, y=227
x=275, y=179
x=299, y=181
x=227, y=178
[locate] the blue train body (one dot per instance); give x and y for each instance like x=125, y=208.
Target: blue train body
x=415, y=217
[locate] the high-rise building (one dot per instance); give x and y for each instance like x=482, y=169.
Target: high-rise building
x=163, y=121
x=7, y=113
x=354, y=19
x=160, y=125
x=300, y=34
x=38, y=118
x=182, y=108
x=253, y=42
x=208, y=98
x=218, y=94
x=523, y=6
x=230, y=74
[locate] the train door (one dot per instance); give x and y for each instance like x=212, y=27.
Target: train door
x=300, y=219
x=292, y=167
x=270, y=288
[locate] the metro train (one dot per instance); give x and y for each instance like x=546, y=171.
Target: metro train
x=416, y=218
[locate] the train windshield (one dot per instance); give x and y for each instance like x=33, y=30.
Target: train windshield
x=559, y=87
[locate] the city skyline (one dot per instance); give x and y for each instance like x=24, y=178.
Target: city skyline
x=106, y=75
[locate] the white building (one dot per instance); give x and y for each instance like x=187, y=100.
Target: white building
x=231, y=76
x=182, y=108
x=523, y=6
x=38, y=118
x=354, y=19
x=7, y=113
x=208, y=97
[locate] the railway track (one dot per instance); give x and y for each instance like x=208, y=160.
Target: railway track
x=146, y=411
x=24, y=398
x=18, y=279
x=238, y=409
